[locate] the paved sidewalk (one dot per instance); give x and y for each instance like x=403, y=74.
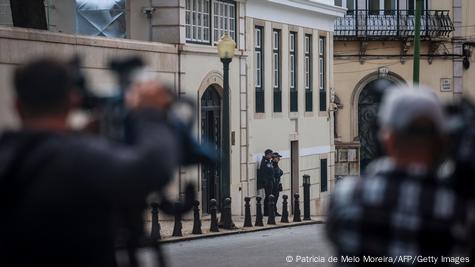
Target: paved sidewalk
x=167, y=225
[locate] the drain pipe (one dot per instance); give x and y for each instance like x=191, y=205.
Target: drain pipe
x=178, y=92
x=148, y=11
x=458, y=40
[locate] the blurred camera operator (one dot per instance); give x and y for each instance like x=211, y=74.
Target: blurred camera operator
x=400, y=207
x=60, y=189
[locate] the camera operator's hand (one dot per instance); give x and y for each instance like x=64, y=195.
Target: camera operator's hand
x=149, y=94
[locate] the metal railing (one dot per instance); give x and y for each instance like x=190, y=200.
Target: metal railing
x=392, y=24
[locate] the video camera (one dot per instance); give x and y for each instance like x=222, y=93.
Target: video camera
x=115, y=124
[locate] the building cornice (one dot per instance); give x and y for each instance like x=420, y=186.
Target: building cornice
x=304, y=13
x=314, y=6
x=16, y=33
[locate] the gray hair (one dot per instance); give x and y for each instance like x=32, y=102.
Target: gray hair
x=402, y=105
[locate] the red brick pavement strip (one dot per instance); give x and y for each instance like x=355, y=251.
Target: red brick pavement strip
x=167, y=228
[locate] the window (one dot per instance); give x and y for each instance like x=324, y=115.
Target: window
x=259, y=68
x=224, y=19
x=411, y=6
x=308, y=73
x=389, y=7
x=322, y=74
x=323, y=175
x=276, y=65
x=101, y=18
x=293, y=71
x=373, y=7
x=350, y=5
x=198, y=20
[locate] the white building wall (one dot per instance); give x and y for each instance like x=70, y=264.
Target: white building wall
x=276, y=130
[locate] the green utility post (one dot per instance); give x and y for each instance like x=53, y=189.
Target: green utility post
x=226, y=48
x=225, y=156
x=417, y=43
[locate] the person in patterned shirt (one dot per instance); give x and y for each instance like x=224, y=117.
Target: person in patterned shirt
x=402, y=206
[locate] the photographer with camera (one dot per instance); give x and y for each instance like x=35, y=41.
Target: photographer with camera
x=61, y=190
x=402, y=206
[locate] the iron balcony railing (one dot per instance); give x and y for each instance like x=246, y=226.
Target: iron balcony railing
x=392, y=24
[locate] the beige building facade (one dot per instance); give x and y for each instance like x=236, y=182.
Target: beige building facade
x=373, y=49
x=177, y=38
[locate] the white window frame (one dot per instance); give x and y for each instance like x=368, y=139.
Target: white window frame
x=292, y=59
x=206, y=21
x=276, y=58
x=197, y=13
x=258, y=58
x=292, y=41
x=322, y=46
x=259, y=66
x=308, y=60
x=258, y=69
x=224, y=19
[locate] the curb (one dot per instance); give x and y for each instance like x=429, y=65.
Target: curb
x=235, y=232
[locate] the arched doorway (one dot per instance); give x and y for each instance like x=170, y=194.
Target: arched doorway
x=368, y=105
x=211, y=132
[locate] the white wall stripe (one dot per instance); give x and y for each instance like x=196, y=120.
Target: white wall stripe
x=309, y=151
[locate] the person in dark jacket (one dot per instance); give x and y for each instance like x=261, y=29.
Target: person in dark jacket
x=266, y=175
x=277, y=175
x=60, y=190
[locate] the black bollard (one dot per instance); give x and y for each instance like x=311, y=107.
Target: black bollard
x=178, y=226
x=228, y=219
x=196, y=218
x=214, y=218
x=247, y=212
x=271, y=218
x=306, y=197
x=297, y=208
x=259, y=221
x=285, y=211
x=155, y=233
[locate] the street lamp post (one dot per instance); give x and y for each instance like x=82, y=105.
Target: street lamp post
x=226, y=47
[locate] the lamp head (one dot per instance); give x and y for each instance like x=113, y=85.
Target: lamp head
x=226, y=47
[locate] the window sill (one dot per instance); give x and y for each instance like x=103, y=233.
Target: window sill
x=294, y=115
x=322, y=114
x=208, y=49
x=308, y=114
x=259, y=116
x=277, y=115
x=200, y=48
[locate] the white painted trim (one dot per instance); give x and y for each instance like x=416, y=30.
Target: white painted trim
x=309, y=151
x=304, y=13
x=314, y=6
x=316, y=150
